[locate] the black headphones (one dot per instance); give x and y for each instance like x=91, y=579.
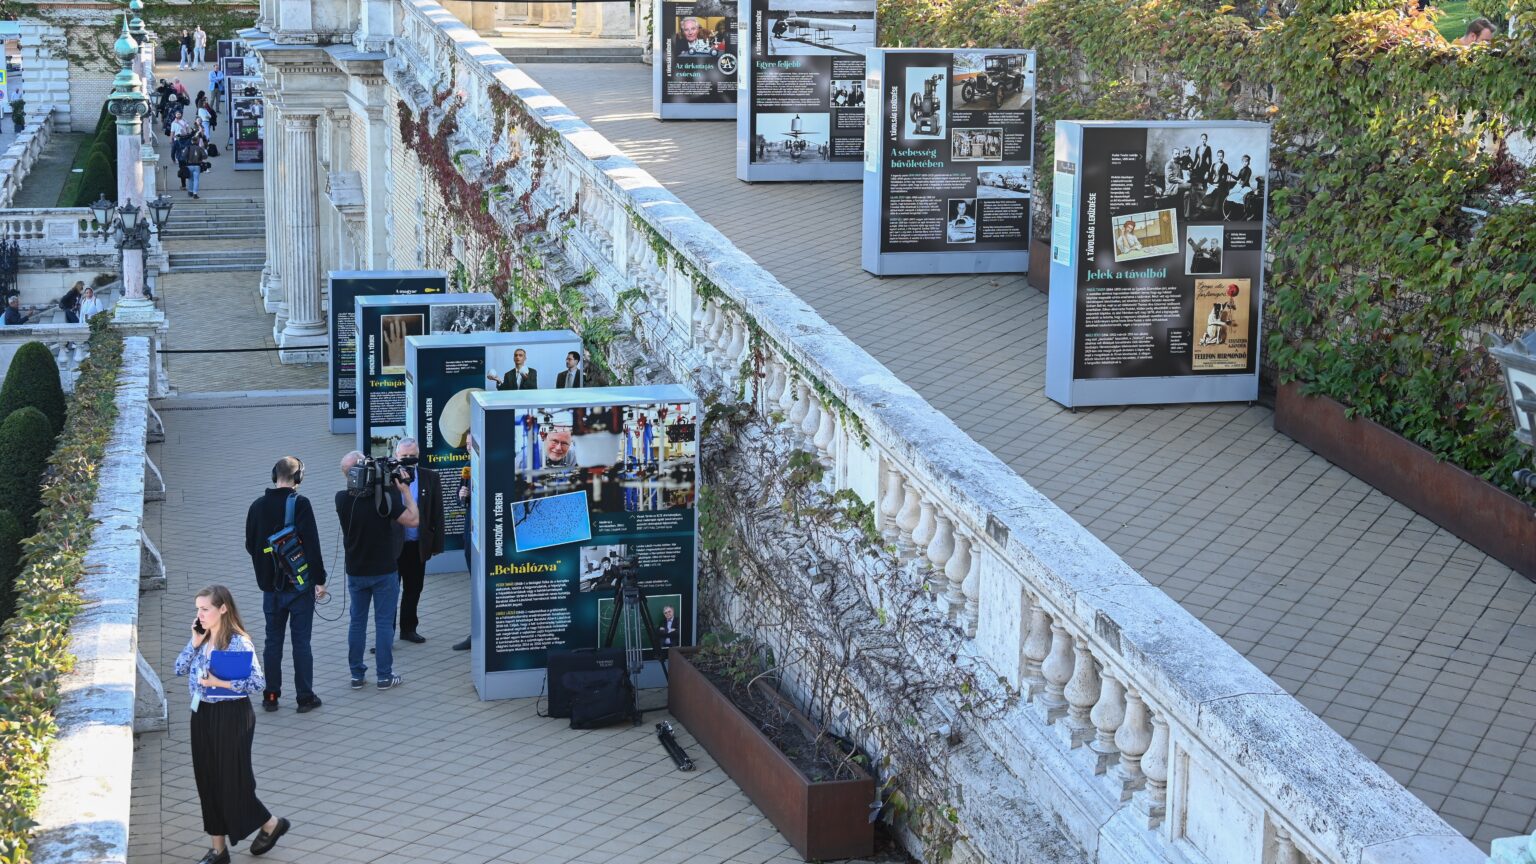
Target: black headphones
x=298, y=476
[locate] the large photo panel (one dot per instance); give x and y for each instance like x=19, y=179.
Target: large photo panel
x=345, y=287
x=800, y=109
x=583, y=492
x=1161, y=276
x=442, y=374
x=384, y=325
x=949, y=161
x=694, y=76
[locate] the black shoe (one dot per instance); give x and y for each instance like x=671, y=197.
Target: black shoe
x=462, y=646
x=373, y=650
x=413, y=637
x=308, y=705
x=264, y=841
x=269, y=701
x=391, y=681
x=357, y=683
x=216, y=857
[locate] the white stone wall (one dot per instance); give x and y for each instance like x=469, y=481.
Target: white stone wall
x=406, y=192
x=47, y=73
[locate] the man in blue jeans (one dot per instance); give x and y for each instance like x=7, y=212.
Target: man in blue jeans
x=288, y=606
x=373, y=520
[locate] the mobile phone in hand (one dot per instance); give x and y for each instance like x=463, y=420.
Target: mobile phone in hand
x=198, y=626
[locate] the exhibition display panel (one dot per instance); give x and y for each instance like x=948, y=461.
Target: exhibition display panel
x=800, y=98
x=345, y=286
x=442, y=373
x=948, y=160
x=1157, y=262
x=694, y=74
x=574, y=492
x=244, y=116
x=384, y=324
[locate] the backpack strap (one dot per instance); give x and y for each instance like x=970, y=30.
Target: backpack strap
x=293, y=501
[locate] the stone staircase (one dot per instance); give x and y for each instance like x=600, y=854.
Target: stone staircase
x=216, y=235
x=621, y=51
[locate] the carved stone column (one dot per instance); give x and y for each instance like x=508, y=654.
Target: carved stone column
x=555, y=15
x=305, y=333
x=613, y=21
x=271, y=272
x=586, y=19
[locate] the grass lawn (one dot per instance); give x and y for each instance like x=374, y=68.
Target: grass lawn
x=71, y=185
x=1457, y=15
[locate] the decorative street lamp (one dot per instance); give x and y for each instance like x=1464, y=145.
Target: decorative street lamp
x=127, y=225
x=1518, y=359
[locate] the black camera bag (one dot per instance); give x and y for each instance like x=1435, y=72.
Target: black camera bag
x=599, y=697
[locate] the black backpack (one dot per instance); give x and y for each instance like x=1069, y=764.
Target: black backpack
x=287, y=551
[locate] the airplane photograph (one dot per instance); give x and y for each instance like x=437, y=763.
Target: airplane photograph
x=820, y=27
x=793, y=138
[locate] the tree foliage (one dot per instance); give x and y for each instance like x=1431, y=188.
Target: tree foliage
x=1382, y=285
x=26, y=439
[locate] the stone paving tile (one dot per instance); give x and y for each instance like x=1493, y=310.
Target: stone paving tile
x=426, y=773
x=47, y=175
x=222, y=311
x=1413, y=645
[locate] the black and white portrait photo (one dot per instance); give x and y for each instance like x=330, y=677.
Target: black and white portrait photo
x=1202, y=250
x=463, y=318
x=1208, y=176
x=961, y=227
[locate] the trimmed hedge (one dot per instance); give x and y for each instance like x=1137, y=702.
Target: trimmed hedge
x=10, y=561
x=34, y=642
x=26, y=439
x=98, y=180
x=33, y=379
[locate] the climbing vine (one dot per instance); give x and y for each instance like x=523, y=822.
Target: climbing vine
x=1382, y=286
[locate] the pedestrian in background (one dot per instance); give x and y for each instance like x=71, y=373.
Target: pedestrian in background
x=288, y=600
x=186, y=50
x=193, y=156
x=223, y=727
x=70, y=303
x=90, y=304
x=199, y=47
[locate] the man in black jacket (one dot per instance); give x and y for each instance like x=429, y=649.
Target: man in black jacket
x=286, y=605
x=422, y=540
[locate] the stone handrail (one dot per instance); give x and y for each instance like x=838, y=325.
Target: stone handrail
x=55, y=232
x=67, y=342
x=18, y=159
x=1149, y=738
x=111, y=692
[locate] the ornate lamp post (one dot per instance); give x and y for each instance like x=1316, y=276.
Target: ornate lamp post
x=1518, y=359
x=129, y=105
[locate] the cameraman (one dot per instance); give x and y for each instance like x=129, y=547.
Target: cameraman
x=422, y=541
x=372, y=524
x=287, y=605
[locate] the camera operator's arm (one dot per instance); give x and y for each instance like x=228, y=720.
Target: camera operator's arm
x=411, y=518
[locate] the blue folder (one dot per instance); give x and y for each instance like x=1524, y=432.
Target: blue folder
x=229, y=666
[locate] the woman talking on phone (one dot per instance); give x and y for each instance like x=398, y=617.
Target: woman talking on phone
x=223, y=726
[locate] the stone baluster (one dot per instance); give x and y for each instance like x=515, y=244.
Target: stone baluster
x=1107, y=715
x=704, y=321
x=906, y=520
x=955, y=568
x=890, y=503
x=1081, y=693
x=1285, y=848
x=941, y=547
x=800, y=407
x=1132, y=740
x=971, y=588
x=1057, y=669
x=778, y=379
x=787, y=398
x=737, y=345
x=812, y=417
x=826, y=433
x=1154, y=764
x=698, y=312
x=716, y=329
x=1036, y=647
x=922, y=532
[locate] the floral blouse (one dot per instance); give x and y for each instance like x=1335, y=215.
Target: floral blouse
x=193, y=662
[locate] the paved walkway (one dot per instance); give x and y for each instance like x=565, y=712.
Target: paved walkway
x=425, y=773
x=52, y=168
x=1413, y=645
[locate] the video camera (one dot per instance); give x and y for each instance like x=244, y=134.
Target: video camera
x=374, y=473
x=626, y=571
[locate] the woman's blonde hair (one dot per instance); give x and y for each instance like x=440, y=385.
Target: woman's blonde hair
x=220, y=597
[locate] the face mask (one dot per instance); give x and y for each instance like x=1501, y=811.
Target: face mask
x=408, y=461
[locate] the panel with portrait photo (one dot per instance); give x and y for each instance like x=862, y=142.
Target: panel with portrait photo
x=1145, y=235
x=1203, y=250
x=393, y=331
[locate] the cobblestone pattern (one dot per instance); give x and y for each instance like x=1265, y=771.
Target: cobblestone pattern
x=1413, y=645
x=426, y=773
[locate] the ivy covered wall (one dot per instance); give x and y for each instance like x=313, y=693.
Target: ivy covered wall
x=1383, y=286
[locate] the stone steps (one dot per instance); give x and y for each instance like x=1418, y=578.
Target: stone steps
x=626, y=53
x=221, y=261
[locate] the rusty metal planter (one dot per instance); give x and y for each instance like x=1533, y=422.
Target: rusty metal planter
x=823, y=820
x=1462, y=503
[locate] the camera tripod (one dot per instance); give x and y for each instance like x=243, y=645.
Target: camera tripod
x=629, y=609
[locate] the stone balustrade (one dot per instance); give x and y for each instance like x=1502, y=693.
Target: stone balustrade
x=55, y=232
x=67, y=342
x=1144, y=734
x=18, y=159
x=111, y=692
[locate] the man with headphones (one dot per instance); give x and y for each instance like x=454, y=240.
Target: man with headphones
x=288, y=604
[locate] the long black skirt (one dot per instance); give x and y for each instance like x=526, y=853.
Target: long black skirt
x=222, y=733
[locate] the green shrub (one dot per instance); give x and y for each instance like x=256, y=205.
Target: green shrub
x=34, y=643
x=26, y=439
x=10, y=562
x=98, y=180
x=33, y=379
